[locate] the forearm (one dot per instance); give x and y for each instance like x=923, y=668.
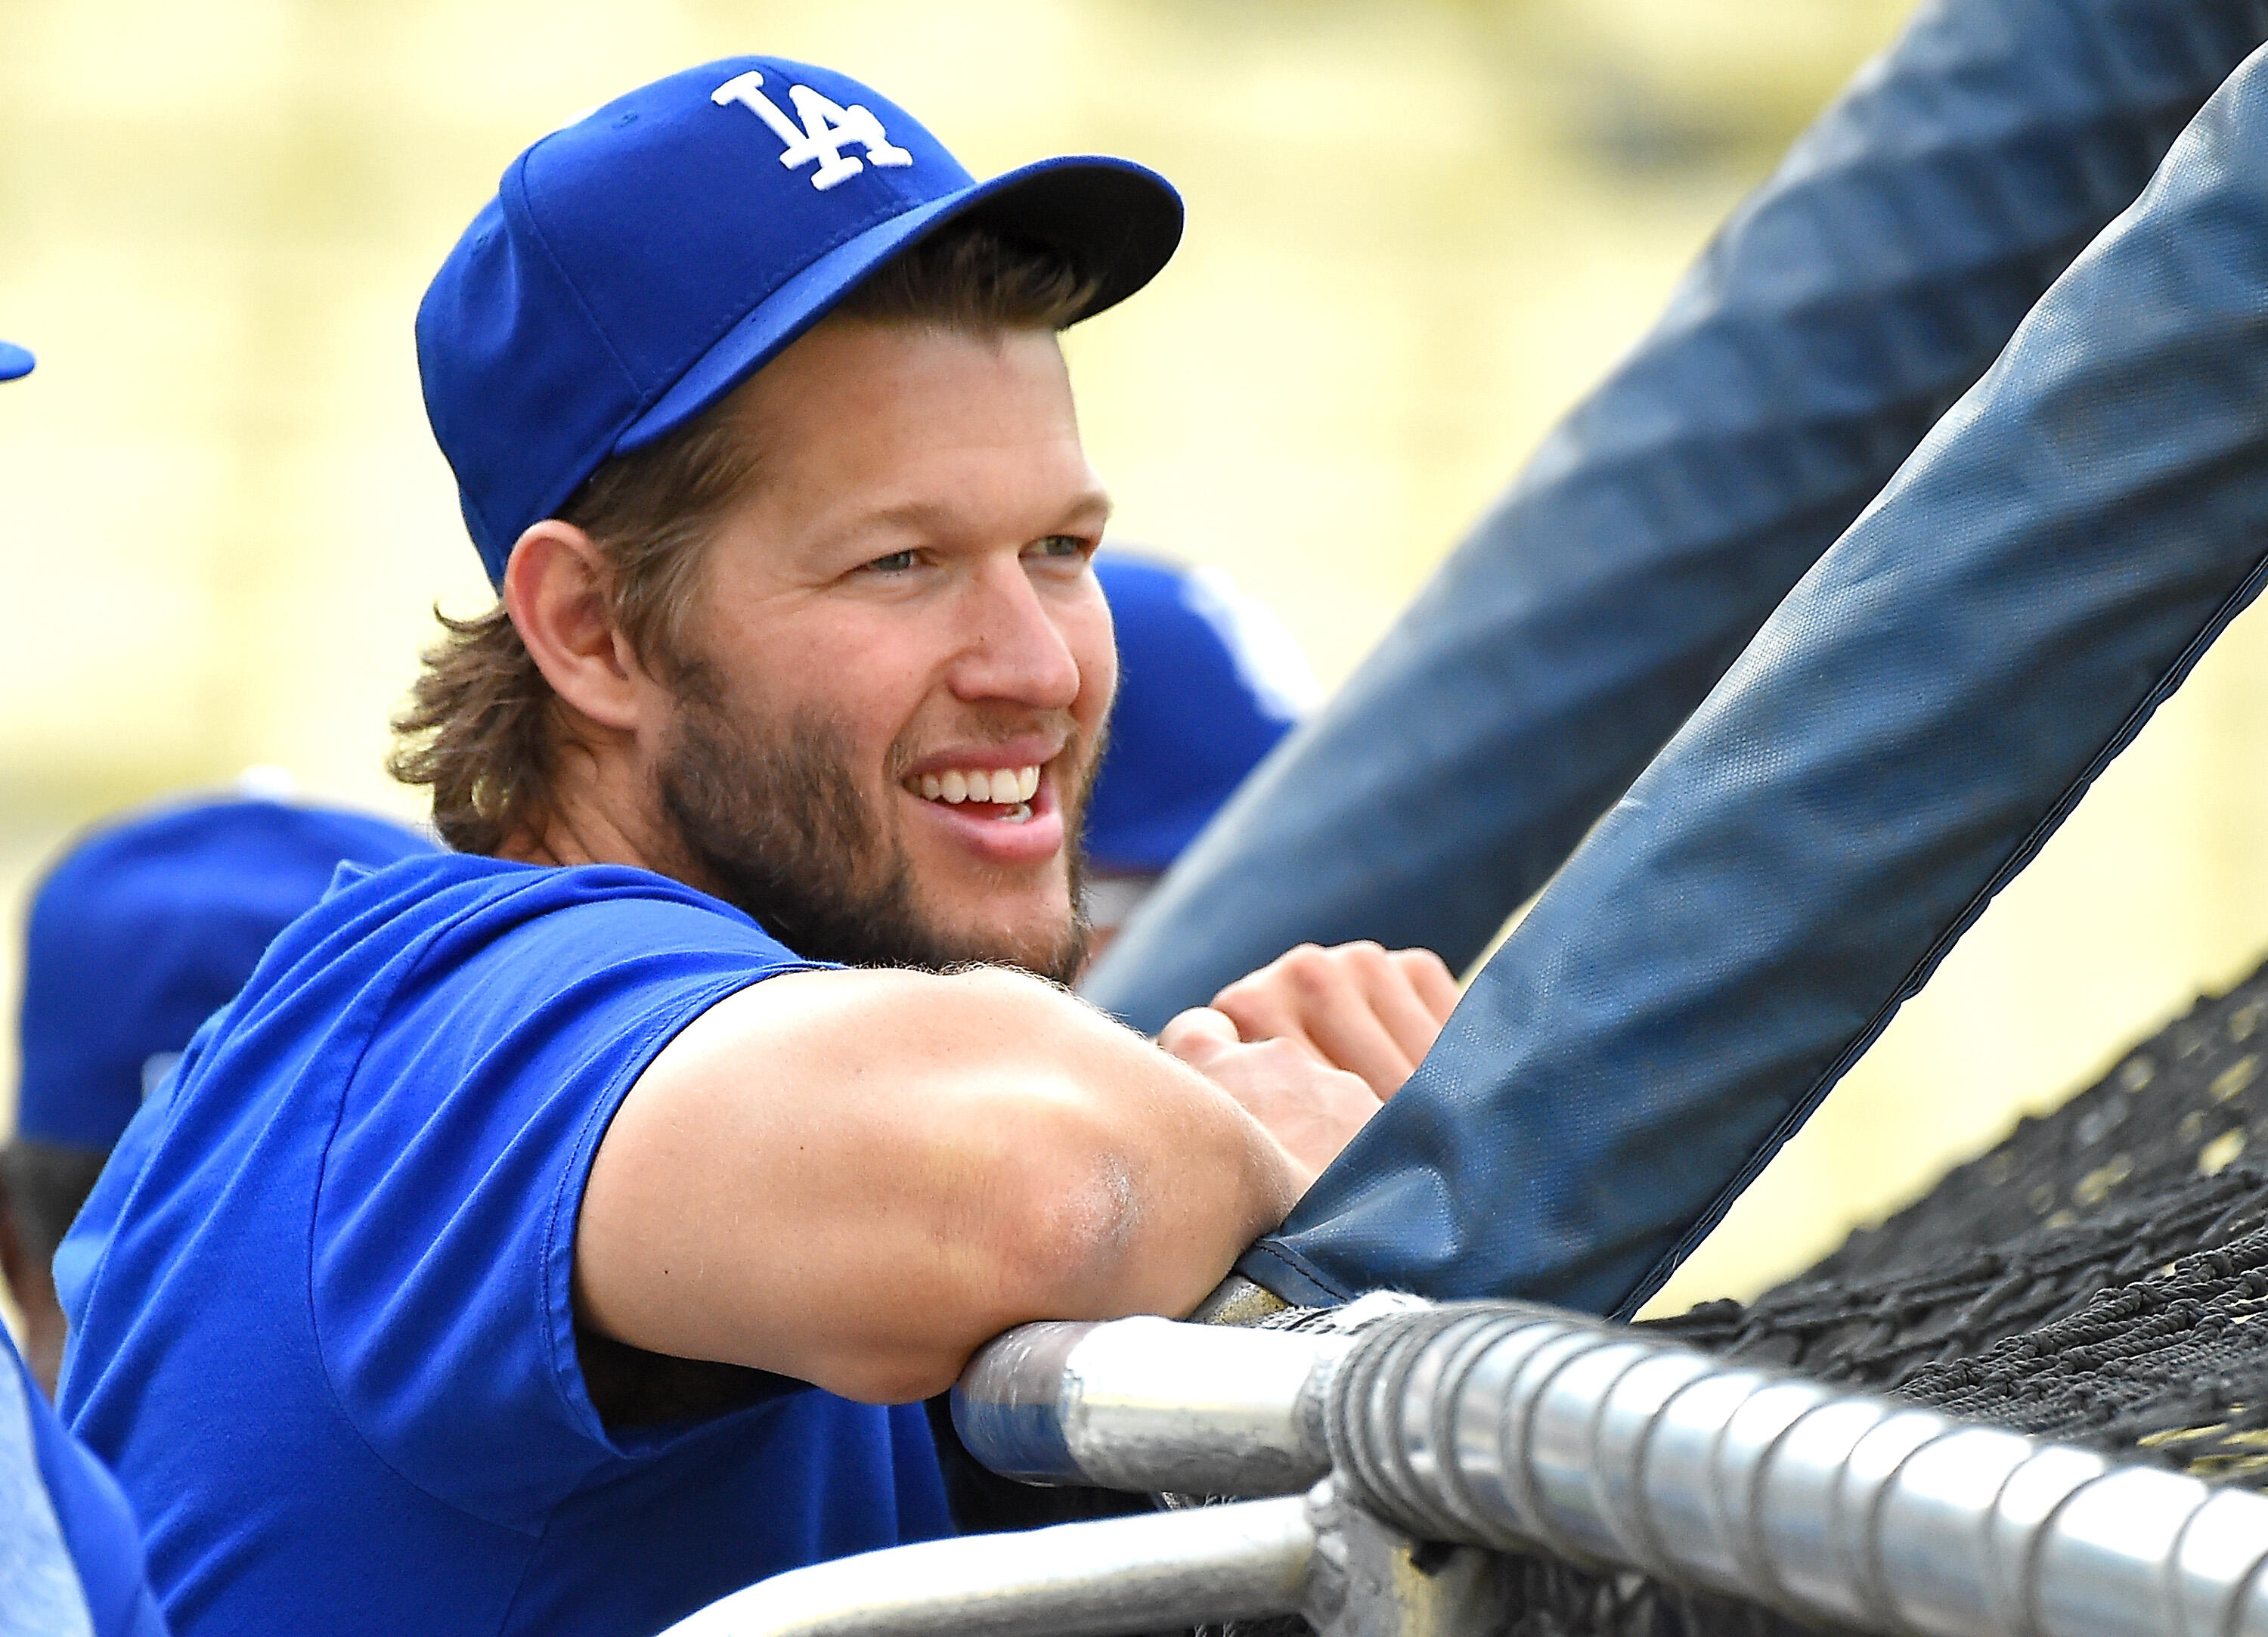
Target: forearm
x=856, y=1178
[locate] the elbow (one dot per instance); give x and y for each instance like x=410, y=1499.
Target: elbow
x=1059, y=1236
x=1071, y=1225
x=1083, y=1235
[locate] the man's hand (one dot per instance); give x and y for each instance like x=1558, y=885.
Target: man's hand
x=1371, y=1011
x=1311, y=1110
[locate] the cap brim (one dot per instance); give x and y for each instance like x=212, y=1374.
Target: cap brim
x=14, y=361
x=1117, y=221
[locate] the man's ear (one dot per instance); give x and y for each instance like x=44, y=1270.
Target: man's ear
x=555, y=588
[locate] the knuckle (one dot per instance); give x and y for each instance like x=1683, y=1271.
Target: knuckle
x=1192, y=1033
x=1245, y=1011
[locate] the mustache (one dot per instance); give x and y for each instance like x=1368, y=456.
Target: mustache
x=986, y=732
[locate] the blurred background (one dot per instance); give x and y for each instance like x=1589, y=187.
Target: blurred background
x=1418, y=229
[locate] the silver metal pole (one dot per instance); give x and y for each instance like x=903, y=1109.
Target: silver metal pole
x=1511, y=1427
x=1119, y=1574
x=1148, y=1406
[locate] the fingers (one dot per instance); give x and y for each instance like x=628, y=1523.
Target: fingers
x=1402, y=1008
x=1357, y=1006
x=1197, y=1036
x=1322, y=999
x=1436, y=985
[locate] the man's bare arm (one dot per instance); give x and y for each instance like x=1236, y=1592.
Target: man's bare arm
x=855, y=1178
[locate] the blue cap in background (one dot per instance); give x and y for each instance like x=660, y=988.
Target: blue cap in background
x=14, y=361
x=1208, y=682
x=638, y=265
x=149, y=923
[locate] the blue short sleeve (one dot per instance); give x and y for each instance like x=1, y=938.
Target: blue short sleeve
x=322, y=1298
x=445, y=1219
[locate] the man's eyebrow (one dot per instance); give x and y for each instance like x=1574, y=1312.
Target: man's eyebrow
x=1093, y=507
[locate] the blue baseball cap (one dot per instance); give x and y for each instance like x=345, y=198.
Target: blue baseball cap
x=14, y=361
x=1208, y=682
x=638, y=265
x=149, y=923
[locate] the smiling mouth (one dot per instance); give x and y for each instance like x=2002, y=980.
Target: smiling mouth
x=1004, y=793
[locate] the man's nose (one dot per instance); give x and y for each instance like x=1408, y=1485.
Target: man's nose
x=1014, y=645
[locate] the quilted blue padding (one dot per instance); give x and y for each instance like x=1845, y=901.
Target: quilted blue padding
x=1836, y=315
x=1904, y=732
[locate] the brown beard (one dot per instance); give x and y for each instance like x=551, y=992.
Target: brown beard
x=773, y=824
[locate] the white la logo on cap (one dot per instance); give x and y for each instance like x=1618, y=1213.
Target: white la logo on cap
x=828, y=127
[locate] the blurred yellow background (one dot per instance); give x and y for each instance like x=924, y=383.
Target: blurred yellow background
x=1417, y=230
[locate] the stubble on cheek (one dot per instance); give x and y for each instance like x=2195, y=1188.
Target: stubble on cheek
x=770, y=817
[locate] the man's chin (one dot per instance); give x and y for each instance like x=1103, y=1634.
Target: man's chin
x=772, y=822
x=1050, y=942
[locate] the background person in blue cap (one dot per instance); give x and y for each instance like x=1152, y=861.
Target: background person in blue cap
x=558, y=1234
x=1208, y=682
x=70, y=1554
x=138, y=932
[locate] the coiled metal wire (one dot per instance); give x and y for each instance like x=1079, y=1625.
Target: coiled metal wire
x=1522, y=1428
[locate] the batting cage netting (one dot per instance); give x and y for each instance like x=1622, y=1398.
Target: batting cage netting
x=2100, y=1277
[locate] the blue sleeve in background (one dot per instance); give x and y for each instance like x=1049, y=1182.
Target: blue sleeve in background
x=1904, y=735
x=1840, y=310
x=71, y=1556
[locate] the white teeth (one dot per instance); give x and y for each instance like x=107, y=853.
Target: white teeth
x=998, y=786
x=1020, y=814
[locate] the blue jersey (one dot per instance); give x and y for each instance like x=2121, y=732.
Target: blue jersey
x=322, y=1322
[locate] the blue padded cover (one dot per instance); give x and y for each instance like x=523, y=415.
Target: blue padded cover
x=1906, y=730
x=1836, y=316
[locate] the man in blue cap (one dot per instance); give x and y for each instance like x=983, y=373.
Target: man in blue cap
x=139, y=932
x=70, y=1555
x=558, y=1234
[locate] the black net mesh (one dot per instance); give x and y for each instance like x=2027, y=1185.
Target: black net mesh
x=2099, y=1277
x=2142, y=1195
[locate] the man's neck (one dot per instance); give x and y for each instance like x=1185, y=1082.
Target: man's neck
x=598, y=813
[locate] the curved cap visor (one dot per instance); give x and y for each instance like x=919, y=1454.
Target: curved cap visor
x=14, y=361
x=1118, y=221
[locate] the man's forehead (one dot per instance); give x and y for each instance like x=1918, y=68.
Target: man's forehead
x=918, y=377
x=872, y=428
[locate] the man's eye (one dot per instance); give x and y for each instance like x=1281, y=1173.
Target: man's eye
x=896, y=563
x=1060, y=546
